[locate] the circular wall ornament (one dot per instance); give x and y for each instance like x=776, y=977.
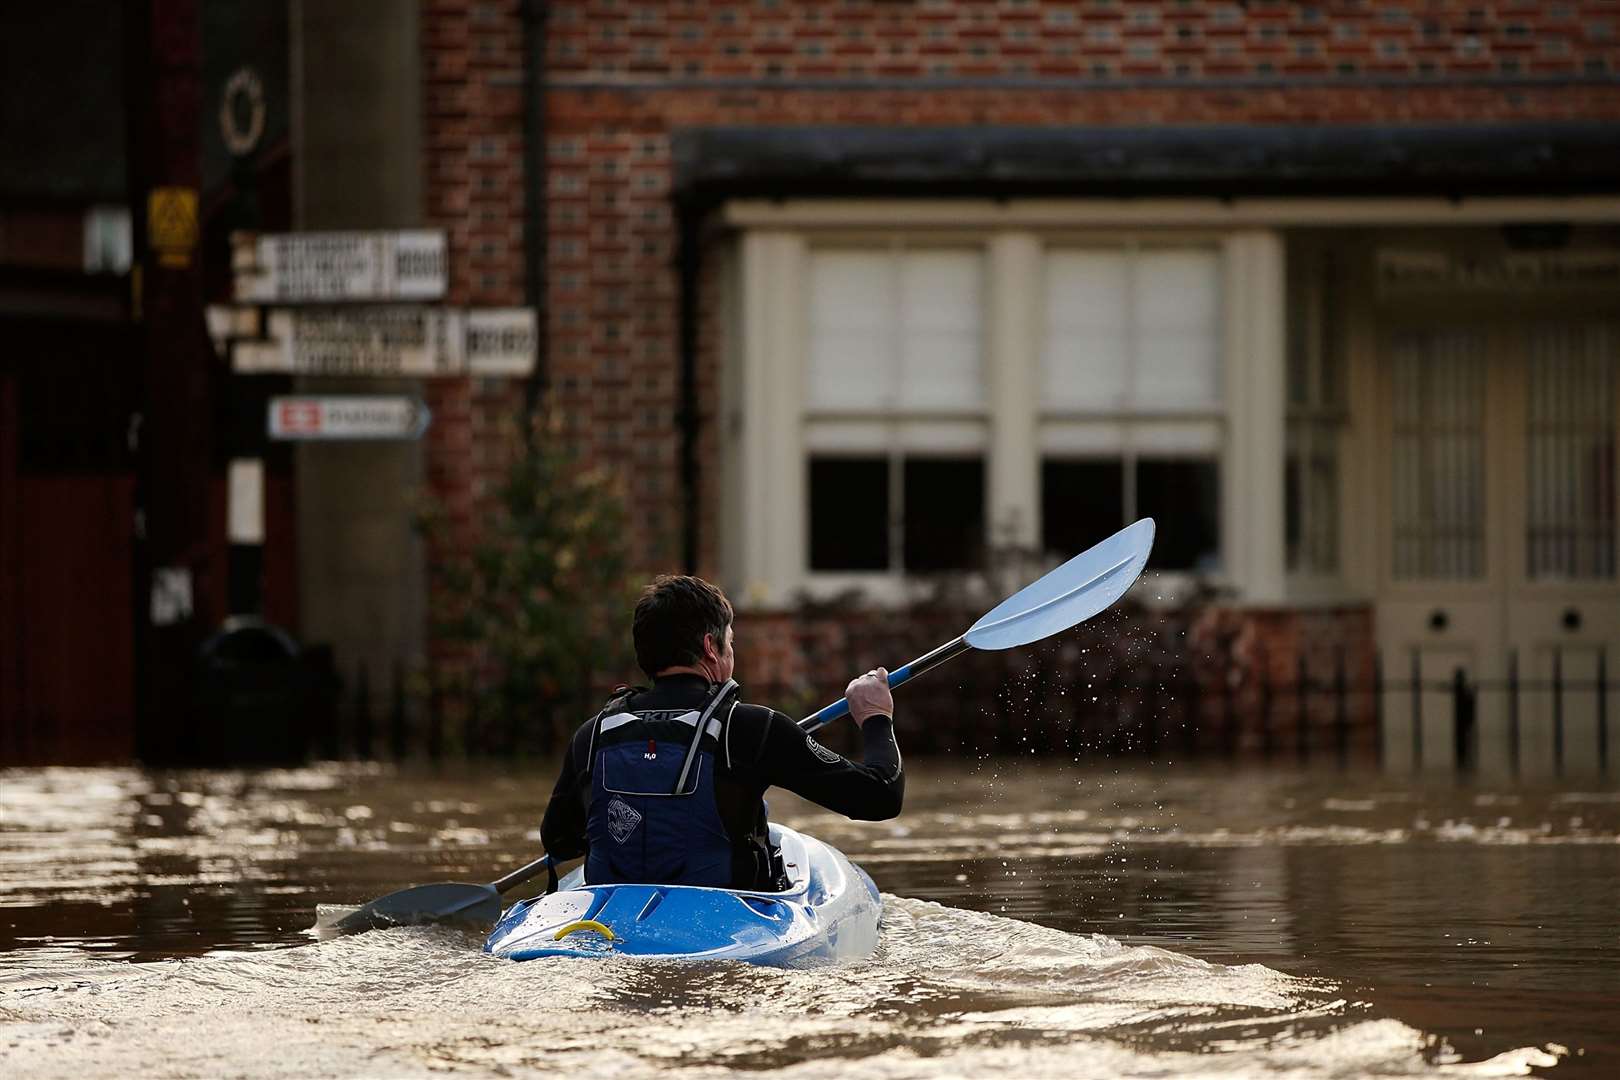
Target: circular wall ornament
x=241, y=111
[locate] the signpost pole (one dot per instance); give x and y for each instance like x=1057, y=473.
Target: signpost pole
x=173, y=434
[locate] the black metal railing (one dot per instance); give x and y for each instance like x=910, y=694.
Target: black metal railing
x=1334, y=711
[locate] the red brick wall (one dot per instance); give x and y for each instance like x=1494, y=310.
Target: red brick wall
x=1253, y=661
x=1107, y=39
x=473, y=65
x=614, y=319
x=1204, y=681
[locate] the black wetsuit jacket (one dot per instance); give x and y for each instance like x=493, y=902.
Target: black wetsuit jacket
x=759, y=748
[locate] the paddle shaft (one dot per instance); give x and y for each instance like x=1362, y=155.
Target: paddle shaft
x=521, y=874
x=898, y=677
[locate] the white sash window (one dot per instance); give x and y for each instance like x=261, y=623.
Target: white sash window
x=894, y=409
x=905, y=402
x=1131, y=401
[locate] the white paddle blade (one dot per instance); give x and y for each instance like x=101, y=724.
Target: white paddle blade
x=1069, y=595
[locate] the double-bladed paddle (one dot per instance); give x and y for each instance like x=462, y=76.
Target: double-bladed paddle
x=1074, y=592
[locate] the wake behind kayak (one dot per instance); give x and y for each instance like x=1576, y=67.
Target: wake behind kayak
x=829, y=914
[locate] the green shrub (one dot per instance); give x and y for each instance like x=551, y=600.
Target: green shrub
x=532, y=619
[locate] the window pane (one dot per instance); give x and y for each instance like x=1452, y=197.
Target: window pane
x=1081, y=503
x=1571, y=444
x=1176, y=323
x=1330, y=379
x=1311, y=499
x=1321, y=552
x=1304, y=298
x=1183, y=499
x=1293, y=509
x=1084, y=351
x=1438, y=455
x=851, y=363
x=1311, y=476
x=849, y=513
x=940, y=336
x=944, y=527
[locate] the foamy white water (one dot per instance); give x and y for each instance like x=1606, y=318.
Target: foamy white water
x=949, y=993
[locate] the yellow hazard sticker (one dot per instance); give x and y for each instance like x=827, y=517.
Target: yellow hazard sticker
x=171, y=224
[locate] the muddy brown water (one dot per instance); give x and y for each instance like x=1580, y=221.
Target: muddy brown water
x=1041, y=919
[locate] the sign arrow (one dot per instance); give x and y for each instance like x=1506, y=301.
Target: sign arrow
x=421, y=418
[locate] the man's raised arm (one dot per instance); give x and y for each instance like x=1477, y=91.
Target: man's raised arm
x=871, y=789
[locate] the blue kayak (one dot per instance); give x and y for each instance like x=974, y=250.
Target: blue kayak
x=829, y=914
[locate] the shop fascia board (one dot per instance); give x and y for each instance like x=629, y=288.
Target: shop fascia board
x=889, y=213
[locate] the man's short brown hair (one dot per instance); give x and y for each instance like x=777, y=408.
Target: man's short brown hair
x=672, y=617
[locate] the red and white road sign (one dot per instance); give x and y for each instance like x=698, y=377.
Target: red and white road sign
x=356, y=416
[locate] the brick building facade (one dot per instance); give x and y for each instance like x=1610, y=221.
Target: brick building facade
x=856, y=295
x=661, y=120
x=624, y=80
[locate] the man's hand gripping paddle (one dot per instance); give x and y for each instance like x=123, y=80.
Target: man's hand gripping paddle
x=1074, y=592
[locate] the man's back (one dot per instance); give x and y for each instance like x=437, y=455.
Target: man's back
x=753, y=748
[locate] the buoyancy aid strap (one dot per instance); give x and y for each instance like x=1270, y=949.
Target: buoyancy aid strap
x=620, y=696
x=726, y=689
x=726, y=731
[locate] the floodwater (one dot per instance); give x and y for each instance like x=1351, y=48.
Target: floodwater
x=1041, y=920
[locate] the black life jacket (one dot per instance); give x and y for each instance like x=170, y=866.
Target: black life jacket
x=653, y=816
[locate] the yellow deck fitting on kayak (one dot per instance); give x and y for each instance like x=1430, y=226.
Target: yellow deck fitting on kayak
x=583, y=924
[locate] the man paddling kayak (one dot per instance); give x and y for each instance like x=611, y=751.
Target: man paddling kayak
x=1071, y=594
x=666, y=784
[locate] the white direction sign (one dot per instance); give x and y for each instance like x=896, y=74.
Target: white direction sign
x=499, y=341
x=409, y=342
x=348, y=417
x=316, y=267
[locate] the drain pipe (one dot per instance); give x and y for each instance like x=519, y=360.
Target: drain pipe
x=536, y=223
x=689, y=215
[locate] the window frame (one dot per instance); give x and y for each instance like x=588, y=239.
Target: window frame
x=770, y=436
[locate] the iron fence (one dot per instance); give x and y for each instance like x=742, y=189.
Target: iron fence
x=1215, y=709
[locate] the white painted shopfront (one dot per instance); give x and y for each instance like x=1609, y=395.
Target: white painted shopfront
x=1404, y=403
